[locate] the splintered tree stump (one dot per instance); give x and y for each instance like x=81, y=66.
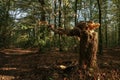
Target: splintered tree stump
x=88, y=49
x=88, y=42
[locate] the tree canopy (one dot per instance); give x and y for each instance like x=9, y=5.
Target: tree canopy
x=23, y=22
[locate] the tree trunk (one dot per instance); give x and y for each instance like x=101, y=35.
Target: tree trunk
x=119, y=32
x=90, y=6
x=100, y=29
x=119, y=25
x=42, y=2
x=76, y=12
x=106, y=29
x=55, y=19
x=88, y=43
x=60, y=45
x=88, y=49
x=5, y=31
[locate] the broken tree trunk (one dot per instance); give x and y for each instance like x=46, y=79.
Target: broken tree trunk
x=88, y=42
x=88, y=49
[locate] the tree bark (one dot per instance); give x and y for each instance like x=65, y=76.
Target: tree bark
x=60, y=44
x=88, y=49
x=88, y=42
x=100, y=29
x=118, y=24
x=76, y=12
x=42, y=2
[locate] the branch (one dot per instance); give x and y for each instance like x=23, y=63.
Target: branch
x=81, y=27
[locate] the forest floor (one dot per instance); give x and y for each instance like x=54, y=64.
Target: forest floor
x=18, y=64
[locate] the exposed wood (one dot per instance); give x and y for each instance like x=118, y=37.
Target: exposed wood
x=88, y=49
x=88, y=41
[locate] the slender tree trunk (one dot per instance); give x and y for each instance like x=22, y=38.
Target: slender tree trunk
x=105, y=22
x=76, y=12
x=100, y=29
x=85, y=17
x=5, y=31
x=42, y=20
x=119, y=31
x=106, y=35
x=42, y=2
x=119, y=24
x=90, y=9
x=106, y=29
x=49, y=19
x=60, y=45
x=117, y=3
x=54, y=23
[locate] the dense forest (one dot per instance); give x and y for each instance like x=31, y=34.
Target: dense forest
x=33, y=36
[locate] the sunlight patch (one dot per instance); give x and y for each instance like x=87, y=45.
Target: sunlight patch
x=4, y=77
x=6, y=68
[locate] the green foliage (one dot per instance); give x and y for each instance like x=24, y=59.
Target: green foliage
x=19, y=21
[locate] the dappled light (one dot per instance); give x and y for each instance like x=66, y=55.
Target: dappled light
x=55, y=65
x=59, y=40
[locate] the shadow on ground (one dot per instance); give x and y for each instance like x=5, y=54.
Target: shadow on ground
x=36, y=66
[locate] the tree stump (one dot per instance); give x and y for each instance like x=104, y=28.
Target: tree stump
x=88, y=49
x=88, y=42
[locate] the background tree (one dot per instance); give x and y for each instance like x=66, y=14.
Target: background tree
x=100, y=29
x=117, y=7
x=20, y=21
x=5, y=23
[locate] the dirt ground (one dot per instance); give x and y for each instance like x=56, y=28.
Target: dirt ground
x=18, y=64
